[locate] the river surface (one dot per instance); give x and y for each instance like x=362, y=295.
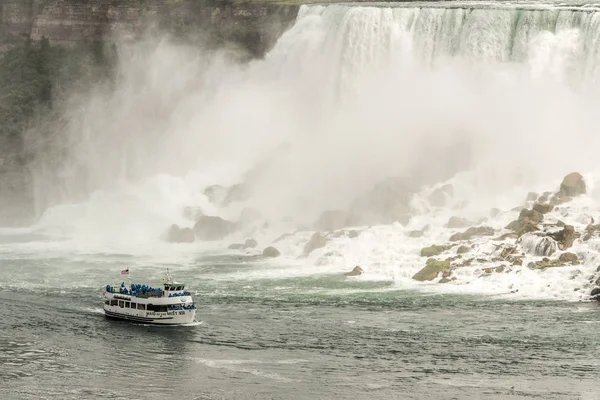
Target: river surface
x=283, y=338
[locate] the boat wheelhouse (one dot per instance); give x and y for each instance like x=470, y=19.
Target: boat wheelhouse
x=169, y=305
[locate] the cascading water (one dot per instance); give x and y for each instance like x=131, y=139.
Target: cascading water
x=478, y=103
x=349, y=96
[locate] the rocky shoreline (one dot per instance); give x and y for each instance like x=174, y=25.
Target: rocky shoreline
x=537, y=239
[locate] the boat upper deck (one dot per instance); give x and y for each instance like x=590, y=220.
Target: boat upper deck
x=145, y=291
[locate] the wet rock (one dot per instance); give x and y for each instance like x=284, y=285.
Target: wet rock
x=175, y=234
x=215, y=193
x=235, y=246
x=557, y=200
x=440, y=196
x=237, y=193
x=463, y=250
x=192, y=213
x=498, y=269
x=355, y=271
x=458, y=222
x=565, y=237
x=545, y=263
x=595, y=294
x=472, y=232
x=316, y=241
x=508, y=251
x=432, y=269
x=271, y=252
x=517, y=261
x=543, y=208
x=433, y=250
x=250, y=244
x=544, y=197
x=212, y=228
x=572, y=185
x=568, y=258
x=510, y=235
x=353, y=234
x=419, y=233
x=526, y=217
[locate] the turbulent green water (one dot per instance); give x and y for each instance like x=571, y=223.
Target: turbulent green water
x=295, y=327
x=284, y=338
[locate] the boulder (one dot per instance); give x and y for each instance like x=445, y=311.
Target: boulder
x=355, y=271
x=212, y=228
x=235, y=246
x=548, y=263
x=250, y=244
x=543, y=208
x=237, y=193
x=568, y=258
x=433, y=250
x=508, y=251
x=458, y=222
x=352, y=233
x=544, y=197
x=215, y=193
x=175, y=234
x=439, y=197
x=527, y=221
x=572, y=185
x=316, y=241
x=463, y=250
x=271, y=252
x=419, y=233
x=432, y=269
x=564, y=237
x=333, y=220
x=192, y=213
x=472, y=232
x=494, y=269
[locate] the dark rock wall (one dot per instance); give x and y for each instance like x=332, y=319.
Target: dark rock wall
x=254, y=26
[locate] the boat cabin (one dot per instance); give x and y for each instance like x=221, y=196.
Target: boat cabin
x=174, y=287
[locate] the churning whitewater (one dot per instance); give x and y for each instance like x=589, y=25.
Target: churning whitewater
x=359, y=111
x=397, y=201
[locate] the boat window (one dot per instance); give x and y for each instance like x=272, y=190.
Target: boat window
x=121, y=303
x=152, y=307
x=106, y=302
x=141, y=306
x=133, y=305
x=114, y=302
x=126, y=304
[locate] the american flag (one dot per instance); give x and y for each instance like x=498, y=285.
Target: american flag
x=125, y=271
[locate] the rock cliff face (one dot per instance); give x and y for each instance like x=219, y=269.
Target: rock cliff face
x=254, y=26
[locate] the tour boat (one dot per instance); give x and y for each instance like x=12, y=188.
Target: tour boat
x=169, y=305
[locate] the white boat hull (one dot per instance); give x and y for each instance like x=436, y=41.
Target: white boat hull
x=176, y=317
